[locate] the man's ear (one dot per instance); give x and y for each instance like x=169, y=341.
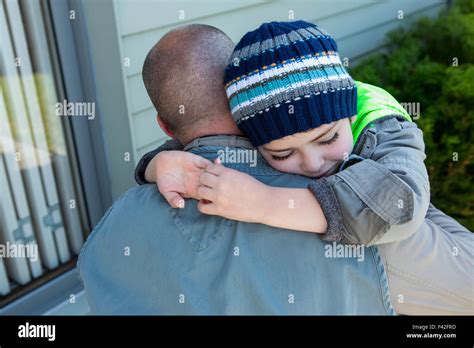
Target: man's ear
x=164, y=126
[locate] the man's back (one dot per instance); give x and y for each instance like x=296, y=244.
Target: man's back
x=147, y=258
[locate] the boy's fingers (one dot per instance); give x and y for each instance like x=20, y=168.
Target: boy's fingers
x=174, y=199
x=208, y=179
x=205, y=193
x=206, y=208
x=201, y=162
x=215, y=169
x=218, y=161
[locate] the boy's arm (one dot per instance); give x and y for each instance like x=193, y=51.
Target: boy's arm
x=385, y=196
x=143, y=171
x=238, y=196
x=295, y=209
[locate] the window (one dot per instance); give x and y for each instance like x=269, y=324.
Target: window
x=43, y=219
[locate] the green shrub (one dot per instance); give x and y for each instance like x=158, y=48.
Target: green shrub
x=419, y=66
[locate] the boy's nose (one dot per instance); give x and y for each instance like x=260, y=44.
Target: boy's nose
x=312, y=164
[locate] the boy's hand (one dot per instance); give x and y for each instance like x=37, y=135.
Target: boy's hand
x=231, y=194
x=177, y=175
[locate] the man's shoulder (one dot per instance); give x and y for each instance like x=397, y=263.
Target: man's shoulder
x=132, y=209
x=147, y=191
x=138, y=199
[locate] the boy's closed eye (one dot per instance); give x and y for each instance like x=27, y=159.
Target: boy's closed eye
x=326, y=142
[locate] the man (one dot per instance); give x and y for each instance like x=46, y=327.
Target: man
x=147, y=258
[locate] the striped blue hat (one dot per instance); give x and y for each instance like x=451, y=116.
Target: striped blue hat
x=286, y=77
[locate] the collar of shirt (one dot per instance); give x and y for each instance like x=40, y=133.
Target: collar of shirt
x=233, y=141
x=234, y=151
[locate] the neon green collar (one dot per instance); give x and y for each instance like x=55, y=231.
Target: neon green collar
x=373, y=103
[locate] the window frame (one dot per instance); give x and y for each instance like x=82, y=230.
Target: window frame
x=87, y=68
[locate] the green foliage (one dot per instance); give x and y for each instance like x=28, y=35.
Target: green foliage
x=432, y=63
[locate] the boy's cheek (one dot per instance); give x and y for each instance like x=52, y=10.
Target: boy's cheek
x=346, y=145
x=342, y=150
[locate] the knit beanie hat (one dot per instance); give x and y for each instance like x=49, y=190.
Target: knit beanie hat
x=286, y=77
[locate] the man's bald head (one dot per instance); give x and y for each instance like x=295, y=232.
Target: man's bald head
x=184, y=77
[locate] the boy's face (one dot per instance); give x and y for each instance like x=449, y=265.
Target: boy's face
x=314, y=153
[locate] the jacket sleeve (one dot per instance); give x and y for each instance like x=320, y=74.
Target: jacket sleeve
x=168, y=145
x=384, y=195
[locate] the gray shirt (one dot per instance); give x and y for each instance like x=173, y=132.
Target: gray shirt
x=145, y=257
